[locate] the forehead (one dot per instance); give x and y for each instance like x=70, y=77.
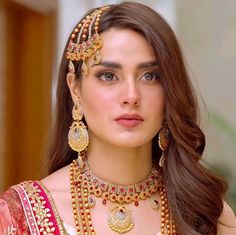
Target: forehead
x=125, y=44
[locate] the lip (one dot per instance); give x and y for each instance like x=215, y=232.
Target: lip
x=129, y=120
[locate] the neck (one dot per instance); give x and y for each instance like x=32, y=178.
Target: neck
x=123, y=166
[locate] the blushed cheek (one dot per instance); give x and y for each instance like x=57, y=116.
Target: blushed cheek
x=94, y=106
x=160, y=104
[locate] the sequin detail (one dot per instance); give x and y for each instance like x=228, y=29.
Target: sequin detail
x=39, y=213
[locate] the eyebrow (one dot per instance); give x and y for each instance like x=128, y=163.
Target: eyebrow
x=111, y=64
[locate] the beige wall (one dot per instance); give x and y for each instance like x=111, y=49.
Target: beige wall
x=207, y=31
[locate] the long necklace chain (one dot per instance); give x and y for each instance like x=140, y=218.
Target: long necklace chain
x=84, y=184
x=80, y=206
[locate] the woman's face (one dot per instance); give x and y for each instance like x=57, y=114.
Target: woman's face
x=122, y=97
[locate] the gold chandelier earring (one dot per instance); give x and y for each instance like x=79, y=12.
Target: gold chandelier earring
x=163, y=142
x=78, y=137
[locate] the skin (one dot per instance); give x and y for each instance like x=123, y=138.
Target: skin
x=117, y=153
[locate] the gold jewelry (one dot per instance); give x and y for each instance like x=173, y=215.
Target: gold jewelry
x=121, y=219
x=154, y=203
x=79, y=198
x=167, y=223
x=71, y=67
x=118, y=193
x=78, y=138
x=163, y=142
x=85, y=40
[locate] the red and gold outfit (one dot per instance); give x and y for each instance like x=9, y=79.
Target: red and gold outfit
x=28, y=208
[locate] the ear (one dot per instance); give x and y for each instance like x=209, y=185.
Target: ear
x=74, y=86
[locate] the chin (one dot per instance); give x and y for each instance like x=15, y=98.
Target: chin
x=131, y=143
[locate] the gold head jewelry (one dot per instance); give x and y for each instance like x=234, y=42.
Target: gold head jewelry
x=85, y=40
x=163, y=142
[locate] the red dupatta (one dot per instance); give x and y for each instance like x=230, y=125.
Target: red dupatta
x=28, y=208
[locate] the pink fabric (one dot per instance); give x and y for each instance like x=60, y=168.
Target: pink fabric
x=6, y=220
x=12, y=219
x=26, y=206
x=18, y=212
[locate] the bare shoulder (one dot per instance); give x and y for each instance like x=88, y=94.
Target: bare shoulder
x=59, y=181
x=227, y=221
x=58, y=185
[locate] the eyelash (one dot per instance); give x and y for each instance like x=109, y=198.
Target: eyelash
x=156, y=74
x=101, y=74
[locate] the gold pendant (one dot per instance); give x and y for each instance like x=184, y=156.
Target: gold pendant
x=154, y=204
x=121, y=219
x=80, y=161
x=162, y=161
x=91, y=201
x=97, y=58
x=84, y=68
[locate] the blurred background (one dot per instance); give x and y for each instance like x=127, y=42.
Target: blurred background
x=32, y=37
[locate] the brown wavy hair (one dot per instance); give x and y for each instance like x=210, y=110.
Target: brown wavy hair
x=194, y=194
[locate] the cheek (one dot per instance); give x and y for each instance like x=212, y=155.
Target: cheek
x=95, y=102
x=158, y=112
x=156, y=101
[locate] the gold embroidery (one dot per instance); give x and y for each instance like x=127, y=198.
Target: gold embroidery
x=42, y=214
x=56, y=213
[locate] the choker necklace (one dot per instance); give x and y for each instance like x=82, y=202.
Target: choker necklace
x=119, y=193
x=85, y=187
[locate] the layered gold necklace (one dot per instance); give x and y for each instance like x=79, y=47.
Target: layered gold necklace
x=85, y=187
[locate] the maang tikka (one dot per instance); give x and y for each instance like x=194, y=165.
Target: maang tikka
x=163, y=142
x=85, y=40
x=78, y=137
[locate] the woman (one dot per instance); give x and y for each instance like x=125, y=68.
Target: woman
x=135, y=168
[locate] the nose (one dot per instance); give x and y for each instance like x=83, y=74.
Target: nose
x=130, y=94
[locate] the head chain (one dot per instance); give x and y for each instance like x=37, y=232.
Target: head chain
x=85, y=40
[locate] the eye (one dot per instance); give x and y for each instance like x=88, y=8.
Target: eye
x=107, y=76
x=150, y=76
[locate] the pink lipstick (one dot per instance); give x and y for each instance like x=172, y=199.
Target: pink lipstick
x=129, y=120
